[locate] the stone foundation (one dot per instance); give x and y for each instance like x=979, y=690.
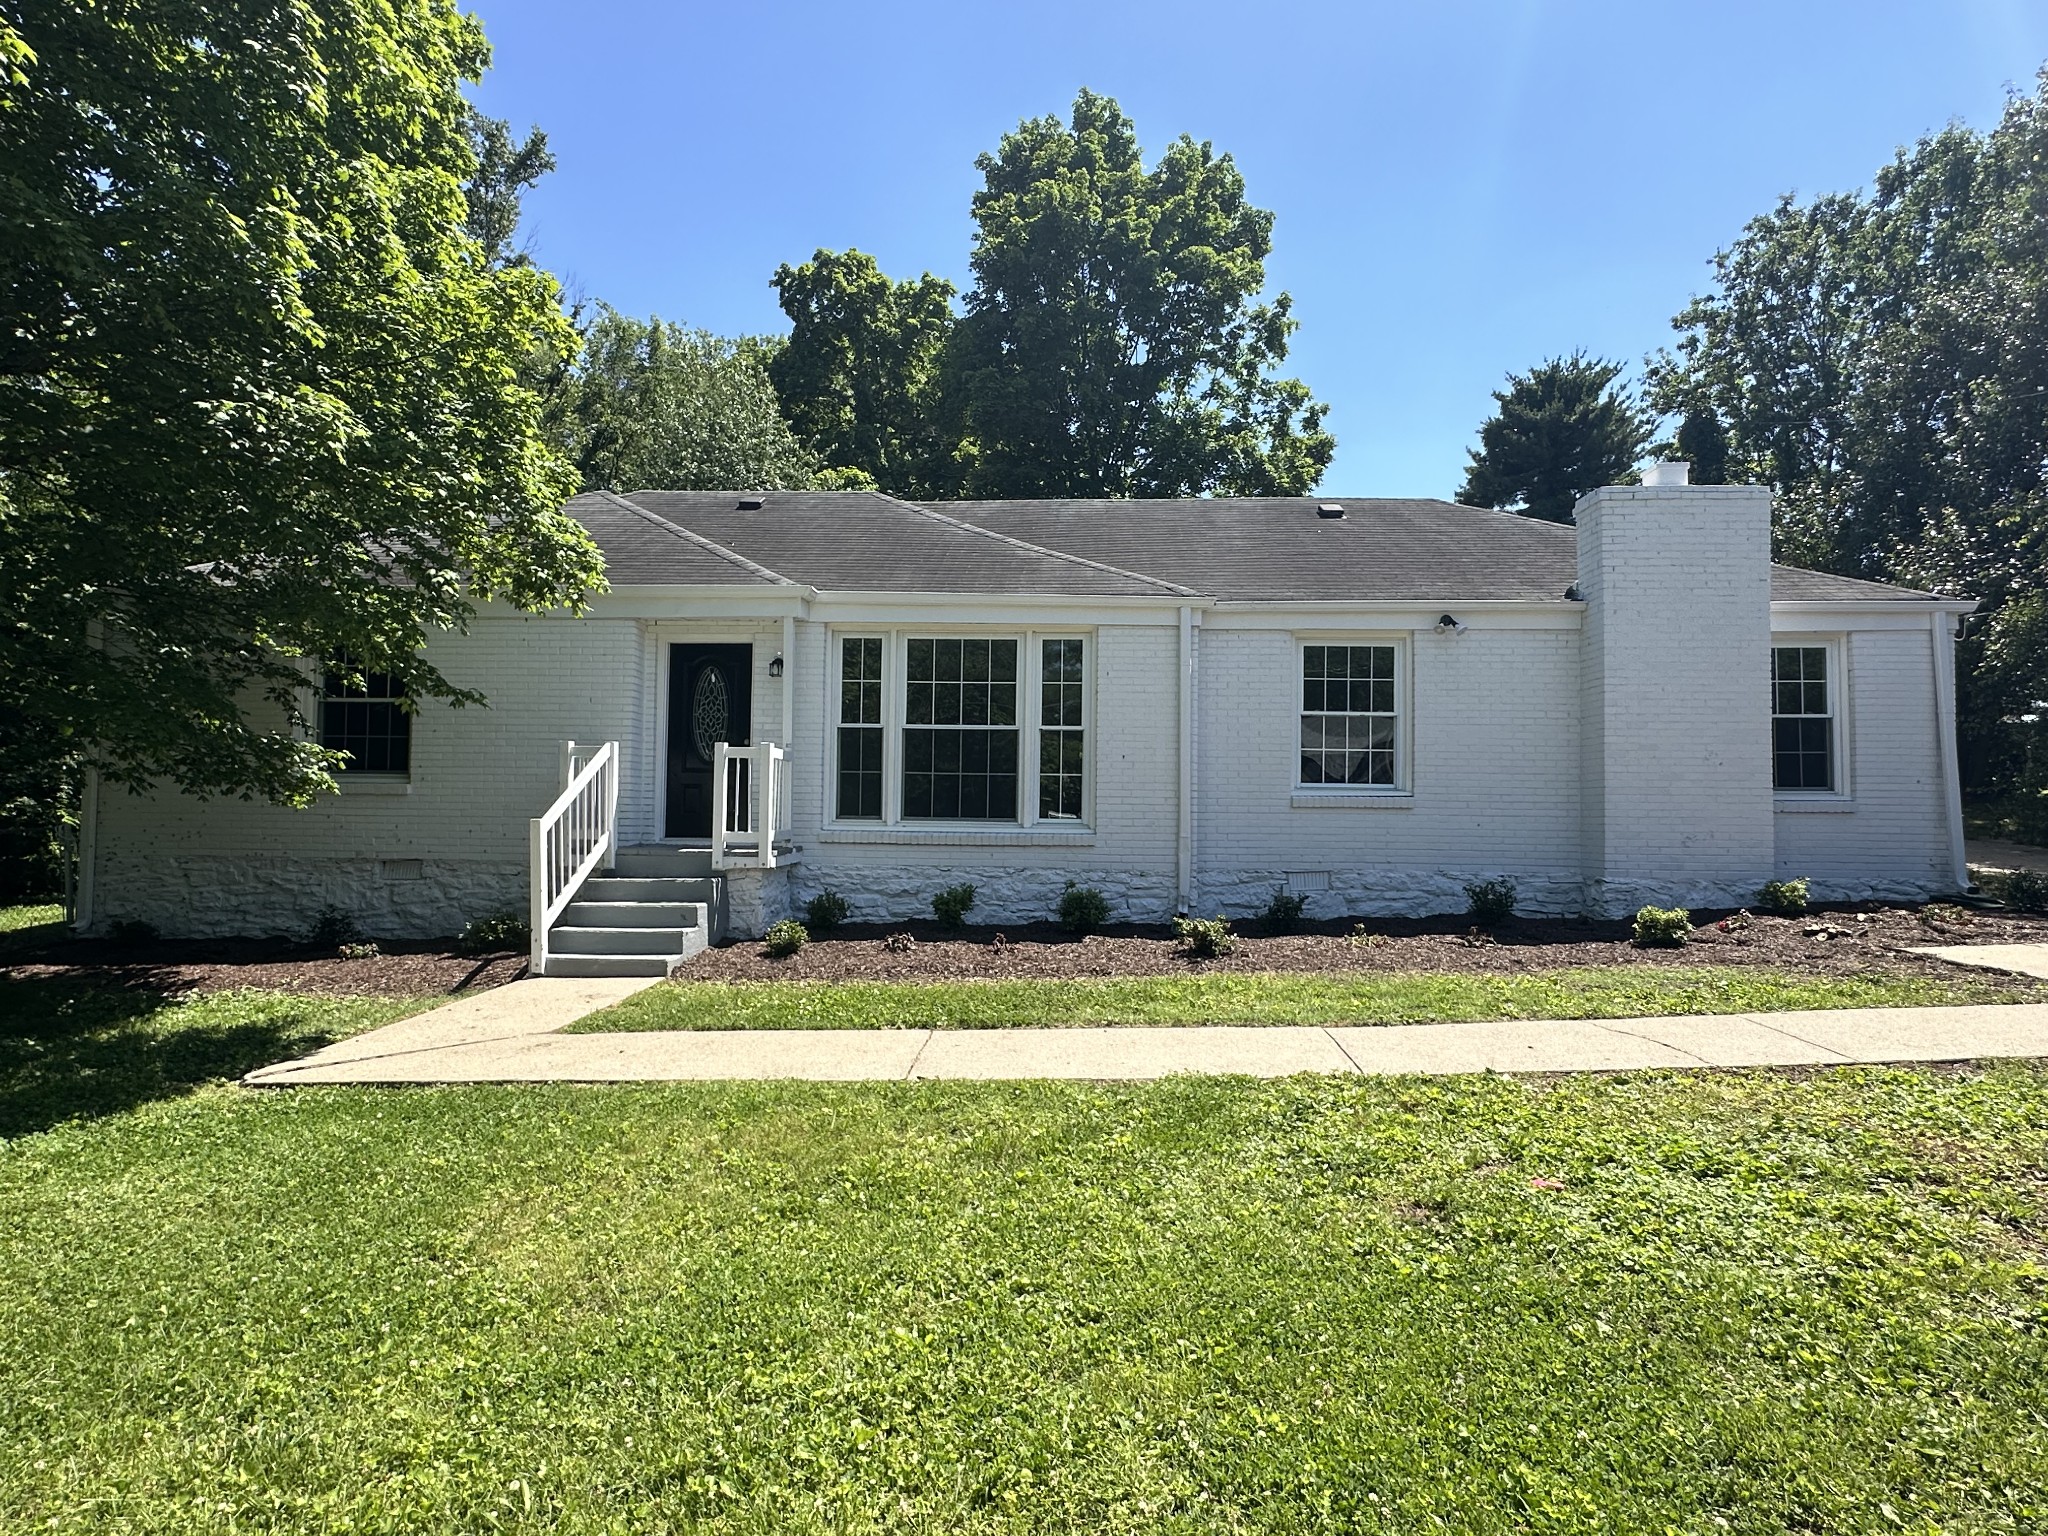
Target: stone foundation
x=1381, y=893
x=226, y=896
x=890, y=893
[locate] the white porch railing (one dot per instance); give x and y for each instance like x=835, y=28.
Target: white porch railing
x=752, y=784
x=572, y=838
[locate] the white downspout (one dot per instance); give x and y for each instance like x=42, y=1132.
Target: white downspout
x=1942, y=633
x=1184, y=848
x=88, y=852
x=788, y=680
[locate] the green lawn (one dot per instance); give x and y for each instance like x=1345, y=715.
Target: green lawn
x=1700, y=1303
x=1609, y=992
x=24, y=927
x=72, y=1048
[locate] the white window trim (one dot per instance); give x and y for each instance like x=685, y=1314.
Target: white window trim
x=893, y=825
x=1842, y=797
x=1368, y=796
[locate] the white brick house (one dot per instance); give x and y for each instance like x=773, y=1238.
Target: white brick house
x=1183, y=703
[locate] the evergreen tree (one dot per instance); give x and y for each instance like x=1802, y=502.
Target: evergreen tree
x=1561, y=429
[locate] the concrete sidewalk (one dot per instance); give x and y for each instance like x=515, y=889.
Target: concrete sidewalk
x=517, y=1041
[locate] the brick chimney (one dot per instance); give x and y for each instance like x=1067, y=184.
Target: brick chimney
x=1676, y=805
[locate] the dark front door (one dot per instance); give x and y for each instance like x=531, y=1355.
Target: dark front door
x=710, y=697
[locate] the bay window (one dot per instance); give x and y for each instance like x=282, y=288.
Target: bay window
x=946, y=729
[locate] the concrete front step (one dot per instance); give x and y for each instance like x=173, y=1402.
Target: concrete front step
x=635, y=914
x=565, y=940
x=662, y=859
x=648, y=888
x=614, y=965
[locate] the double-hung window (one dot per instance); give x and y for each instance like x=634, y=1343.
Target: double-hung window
x=1802, y=718
x=960, y=730
x=987, y=728
x=367, y=716
x=1350, y=716
x=1062, y=736
x=860, y=728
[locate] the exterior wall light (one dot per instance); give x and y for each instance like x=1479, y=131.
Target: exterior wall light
x=775, y=666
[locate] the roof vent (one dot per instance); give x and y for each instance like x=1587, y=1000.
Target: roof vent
x=1329, y=509
x=752, y=503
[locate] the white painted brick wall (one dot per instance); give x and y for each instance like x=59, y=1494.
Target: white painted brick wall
x=478, y=775
x=1676, y=792
x=1888, y=836
x=1494, y=777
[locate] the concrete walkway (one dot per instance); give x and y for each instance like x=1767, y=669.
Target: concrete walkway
x=2019, y=959
x=1993, y=855
x=516, y=1040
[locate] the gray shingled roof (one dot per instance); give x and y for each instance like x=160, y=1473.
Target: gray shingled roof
x=1243, y=549
x=859, y=541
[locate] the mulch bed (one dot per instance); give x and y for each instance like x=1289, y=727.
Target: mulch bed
x=1866, y=938
x=433, y=968
x=1861, y=939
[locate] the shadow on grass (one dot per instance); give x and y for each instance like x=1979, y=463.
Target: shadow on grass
x=76, y=1049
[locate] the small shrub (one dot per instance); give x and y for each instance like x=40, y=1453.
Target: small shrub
x=2026, y=889
x=500, y=930
x=1662, y=927
x=1083, y=909
x=1784, y=898
x=333, y=928
x=900, y=943
x=826, y=910
x=786, y=938
x=367, y=950
x=130, y=931
x=1362, y=937
x=1284, y=910
x=1204, y=937
x=950, y=905
x=1490, y=902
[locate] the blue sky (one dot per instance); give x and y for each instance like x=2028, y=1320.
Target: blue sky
x=1461, y=188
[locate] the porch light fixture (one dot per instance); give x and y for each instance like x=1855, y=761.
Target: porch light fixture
x=775, y=667
x=1449, y=626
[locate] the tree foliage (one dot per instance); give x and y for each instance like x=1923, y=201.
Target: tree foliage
x=653, y=406
x=505, y=172
x=260, y=390
x=1113, y=342
x=1881, y=360
x=1562, y=429
x=861, y=377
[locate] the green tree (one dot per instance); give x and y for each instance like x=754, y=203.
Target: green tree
x=861, y=378
x=653, y=406
x=1880, y=360
x=1112, y=343
x=260, y=390
x=505, y=172
x=1563, y=428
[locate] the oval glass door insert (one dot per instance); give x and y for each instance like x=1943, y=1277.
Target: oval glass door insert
x=711, y=712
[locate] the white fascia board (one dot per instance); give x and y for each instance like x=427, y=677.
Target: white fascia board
x=1493, y=614
x=1902, y=613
